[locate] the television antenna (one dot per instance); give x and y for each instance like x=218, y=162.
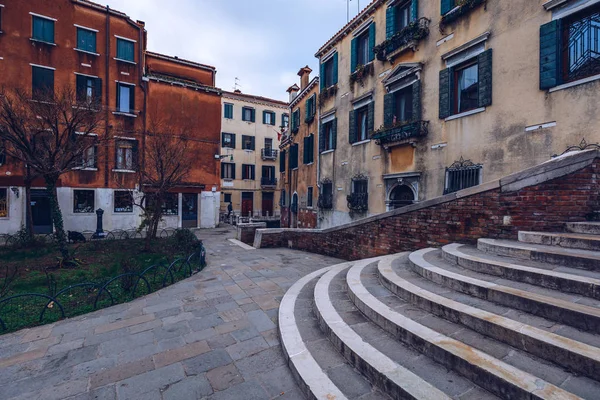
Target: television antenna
x=236, y=85
x=348, y=9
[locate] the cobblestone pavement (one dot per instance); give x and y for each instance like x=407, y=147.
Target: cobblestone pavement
x=211, y=336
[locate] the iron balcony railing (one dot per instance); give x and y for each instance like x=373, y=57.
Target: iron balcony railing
x=402, y=40
x=399, y=132
x=325, y=202
x=269, y=154
x=268, y=182
x=358, y=201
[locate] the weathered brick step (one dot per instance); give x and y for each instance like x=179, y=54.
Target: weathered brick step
x=575, y=258
x=313, y=381
x=568, y=240
x=561, y=281
x=492, y=374
x=576, y=315
x=382, y=371
x=590, y=228
x=567, y=353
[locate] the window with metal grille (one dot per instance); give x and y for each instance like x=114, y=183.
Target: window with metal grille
x=461, y=175
x=326, y=197
x=581, y=38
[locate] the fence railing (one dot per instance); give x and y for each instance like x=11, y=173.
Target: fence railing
x=269, y=154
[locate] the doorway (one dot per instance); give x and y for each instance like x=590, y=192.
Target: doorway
x=247, y=204
x=189, y=205
x=40, y=211
x=401, y=196
x=267, y=204
x=294, y=209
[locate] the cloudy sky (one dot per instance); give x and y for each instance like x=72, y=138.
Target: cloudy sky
x=262, y=42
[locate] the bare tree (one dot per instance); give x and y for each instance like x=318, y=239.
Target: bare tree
x=52, y=135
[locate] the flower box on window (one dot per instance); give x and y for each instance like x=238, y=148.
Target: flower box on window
x=406, y=39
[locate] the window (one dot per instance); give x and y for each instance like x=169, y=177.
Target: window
x=360, y=186
x=362, y=116
x=461, y=175
x=363, y=49
x=228, y=140
x=447, y=6
x=309, y=197
x=329, y=72
x=228, y=111
x=227, y=170
x=125, y=50
x=403, y=105
x=285, y=120
x=248, y=142
x=89, y=89
x=83, y=201
x=227, y=197
x=126, y=156
x=3, y=202
x=248, y=172
x=581, y=53
x=326, y=198
x=328, y=136
x=268, y=143
x=294, y=156
x=2, y=152
x=169, y=206
x=310, y=108
x=308, y=155
x=466, y=88
x=123, y=201
x=282, y=161
x=359, y=199
x=125, y=98
x=43, y=29
x=248, y=114
x=402, y=16
x=86, y=40
x=89, y=158
x=295, y=120
x=42, y=83
x=268, y=118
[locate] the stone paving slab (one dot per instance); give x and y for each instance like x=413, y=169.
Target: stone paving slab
x=213, y=336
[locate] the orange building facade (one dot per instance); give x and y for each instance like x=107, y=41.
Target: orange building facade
x=82, y=45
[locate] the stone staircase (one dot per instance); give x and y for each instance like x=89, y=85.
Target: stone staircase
x=500, y=320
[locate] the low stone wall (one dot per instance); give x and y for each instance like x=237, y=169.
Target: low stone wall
x=245, y=232
x=541, y=198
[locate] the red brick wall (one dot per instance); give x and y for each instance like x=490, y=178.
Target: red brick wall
x=307, y=219
x=544, y=207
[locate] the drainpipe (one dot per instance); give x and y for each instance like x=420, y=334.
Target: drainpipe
x=107, y=96
x=143, y=83
x=318, y=148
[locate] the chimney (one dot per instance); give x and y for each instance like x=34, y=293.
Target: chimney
x=293, y=91
x=238, y=91
x=304, y=75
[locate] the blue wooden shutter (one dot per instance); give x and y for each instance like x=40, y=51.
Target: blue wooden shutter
x=305, y=151
x=446, y=93
x=371, y=118
x=233, y=140
x=550, y=35
x=414, y=10
x=447, y=5
x=253, y=170
x=252, y=143
x=354, y=55
x=390, y=22
x=372, y=38
x=484, y=63
x=335, y=68
x=253, y=115
x=322, y=77
x=307, y=109
x=388, y=109
x=416, y=101
x=352, y=127
x=334, y=133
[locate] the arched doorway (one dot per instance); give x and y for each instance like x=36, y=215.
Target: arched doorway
x=401, y=196
x=294, y=209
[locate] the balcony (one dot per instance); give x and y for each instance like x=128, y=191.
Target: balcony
x=269, y=154
x=325, y=202
x=406, y=39
x=400, y=133
x=358, y=202
x=268, y=183
x=464, y=8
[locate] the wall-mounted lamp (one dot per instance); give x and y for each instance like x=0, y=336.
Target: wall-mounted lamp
x=224, y=156
x=15, y=190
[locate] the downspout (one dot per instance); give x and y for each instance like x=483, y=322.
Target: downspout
x=142, y=63
x=107, y=97
x=318, y=149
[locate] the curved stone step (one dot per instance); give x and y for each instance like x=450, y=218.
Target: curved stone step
x=576, y=315
x=390, y=377
x=570, y=283
x=550, y=254
x=490, y=373
x=568, y=240
x=313, y=381
x=576, y=356
x=590, y=228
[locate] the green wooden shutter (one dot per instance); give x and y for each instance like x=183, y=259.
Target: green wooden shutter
x=118, y=97
x=264, y=117
x=135, y=155
x=335, y=68
x=445, y=95
x=307, y=108
x=352, y=127
x=98, y=91
x=371, y=118
x=550, y=54
x=388, y=109
x=253, y=171
x=447, y=5
x=354, y=55
x=282, y=161
x=334, y=133
x=390, y=22
x=416, y=101
x=80, y=83
x=305, y=151
x=253, y=115
x=311, y=154
x=484, y=61
x=233, y=141
x=233, y=171
x=253, y=143
x=414, y=10
x=222, y=140
x=321, y=139
x=322, y=77
x=372, y=38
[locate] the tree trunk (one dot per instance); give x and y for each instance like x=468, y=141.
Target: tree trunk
x=57, y=218
x=28, y=215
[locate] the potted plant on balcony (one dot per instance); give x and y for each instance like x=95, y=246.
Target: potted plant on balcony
x=360, y=74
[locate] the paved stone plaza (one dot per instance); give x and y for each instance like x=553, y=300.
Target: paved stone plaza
x=211, y=336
